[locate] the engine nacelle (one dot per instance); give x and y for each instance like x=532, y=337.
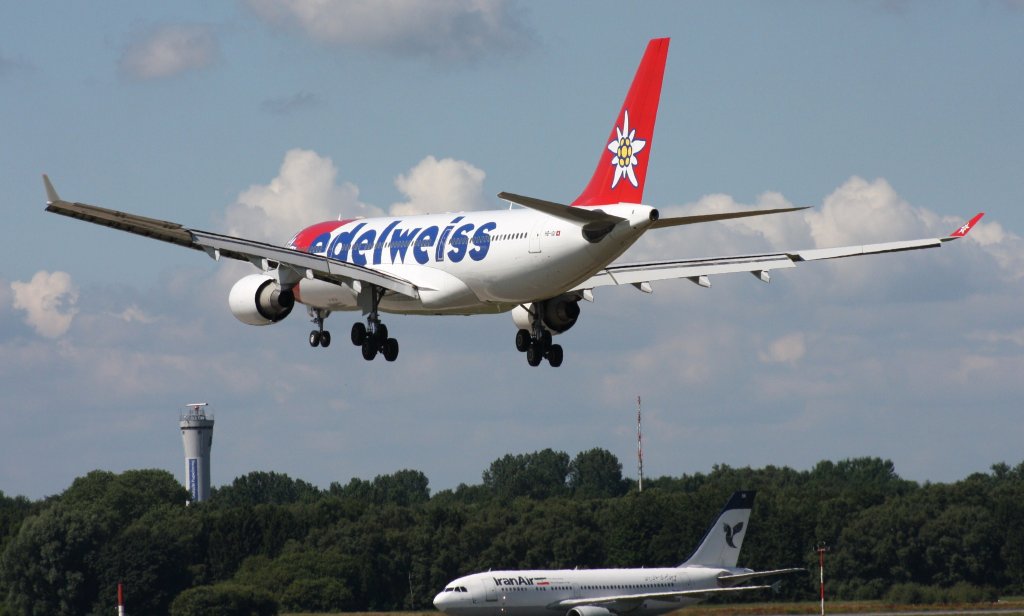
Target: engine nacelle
x=589, y=610
x=557, y=314
x=258, y=299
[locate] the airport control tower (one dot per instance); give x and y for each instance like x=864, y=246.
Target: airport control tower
x=197, y=435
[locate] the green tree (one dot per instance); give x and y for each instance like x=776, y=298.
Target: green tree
x=224, y=600
x=264, y=488
x=541, y=474
x=153, y=557
x=52, y=565
x=596, y=473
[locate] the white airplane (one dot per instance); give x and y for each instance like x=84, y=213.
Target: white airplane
x=710, y=570
x=537, y=261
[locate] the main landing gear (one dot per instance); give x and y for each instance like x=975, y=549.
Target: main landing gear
x=319, y=336
x=539, y=347
x=373, y=337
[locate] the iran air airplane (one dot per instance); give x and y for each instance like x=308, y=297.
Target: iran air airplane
x=710, y=570
x=536, y=261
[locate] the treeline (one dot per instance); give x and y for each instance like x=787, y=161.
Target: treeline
x=269, y=542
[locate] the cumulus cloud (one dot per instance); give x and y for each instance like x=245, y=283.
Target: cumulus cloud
x=304, y=192
x=445, y=185
x=440, y=29
x=861, y=209
x=307, y=190
x=169, y=50
x=48, y=301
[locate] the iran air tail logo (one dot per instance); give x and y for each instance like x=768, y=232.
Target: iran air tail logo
x=624, y=149
x=731, y=532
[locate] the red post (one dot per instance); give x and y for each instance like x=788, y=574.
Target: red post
x=120, y=599
x=822, y=548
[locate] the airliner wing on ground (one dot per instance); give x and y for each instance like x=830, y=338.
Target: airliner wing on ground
x=536, y=262
x=710, y=570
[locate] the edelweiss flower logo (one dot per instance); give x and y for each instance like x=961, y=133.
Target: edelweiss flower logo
x=624, y=149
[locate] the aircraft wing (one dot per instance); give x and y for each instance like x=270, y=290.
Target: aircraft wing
x=699, y=270
x=264, y=256
x=636, y=599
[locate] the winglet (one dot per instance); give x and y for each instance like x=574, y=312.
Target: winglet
x=964, y=230
x=51, y=193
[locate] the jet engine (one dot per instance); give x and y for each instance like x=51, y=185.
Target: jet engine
x=558, y=314
x=258, y=299
x=589, y=610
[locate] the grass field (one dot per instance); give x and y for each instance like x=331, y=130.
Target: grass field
x=1009, y=605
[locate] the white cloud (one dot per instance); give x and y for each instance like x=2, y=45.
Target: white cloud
x=445, y=185
x=788, y=349
x=48, y=301
x=303, y=193
x=441, y=29
x=169, y=50
x=860, y=209
x=134, y=314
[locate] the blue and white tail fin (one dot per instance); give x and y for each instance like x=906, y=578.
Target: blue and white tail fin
x=721, y=545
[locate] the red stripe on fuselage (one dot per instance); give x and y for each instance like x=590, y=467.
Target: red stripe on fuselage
x=303, y=239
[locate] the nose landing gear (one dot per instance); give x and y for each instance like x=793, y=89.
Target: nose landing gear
x=319, y=336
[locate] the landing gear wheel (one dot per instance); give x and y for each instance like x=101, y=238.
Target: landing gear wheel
x=390, y=349
x=318, y=337
x=534, y=355
x=555, y=355
x=372, y=335
x=522, y=340
x=369, y=350
x=358, y=333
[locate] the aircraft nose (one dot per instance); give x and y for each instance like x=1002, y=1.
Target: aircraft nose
x=440, y=600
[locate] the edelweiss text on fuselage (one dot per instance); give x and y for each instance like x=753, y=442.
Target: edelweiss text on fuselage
x=393, y=243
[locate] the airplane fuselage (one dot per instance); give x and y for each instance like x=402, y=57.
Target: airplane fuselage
x=466, y=262
x=541, y=593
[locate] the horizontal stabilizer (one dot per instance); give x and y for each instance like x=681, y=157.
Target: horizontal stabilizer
x=699, y=218
x=559, y=210
x=739, y=578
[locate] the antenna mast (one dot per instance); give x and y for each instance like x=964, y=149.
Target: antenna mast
x=639, y=448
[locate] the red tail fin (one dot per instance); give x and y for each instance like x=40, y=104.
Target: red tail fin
x=622, y=168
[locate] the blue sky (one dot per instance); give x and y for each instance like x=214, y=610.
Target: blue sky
x=894, y=120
